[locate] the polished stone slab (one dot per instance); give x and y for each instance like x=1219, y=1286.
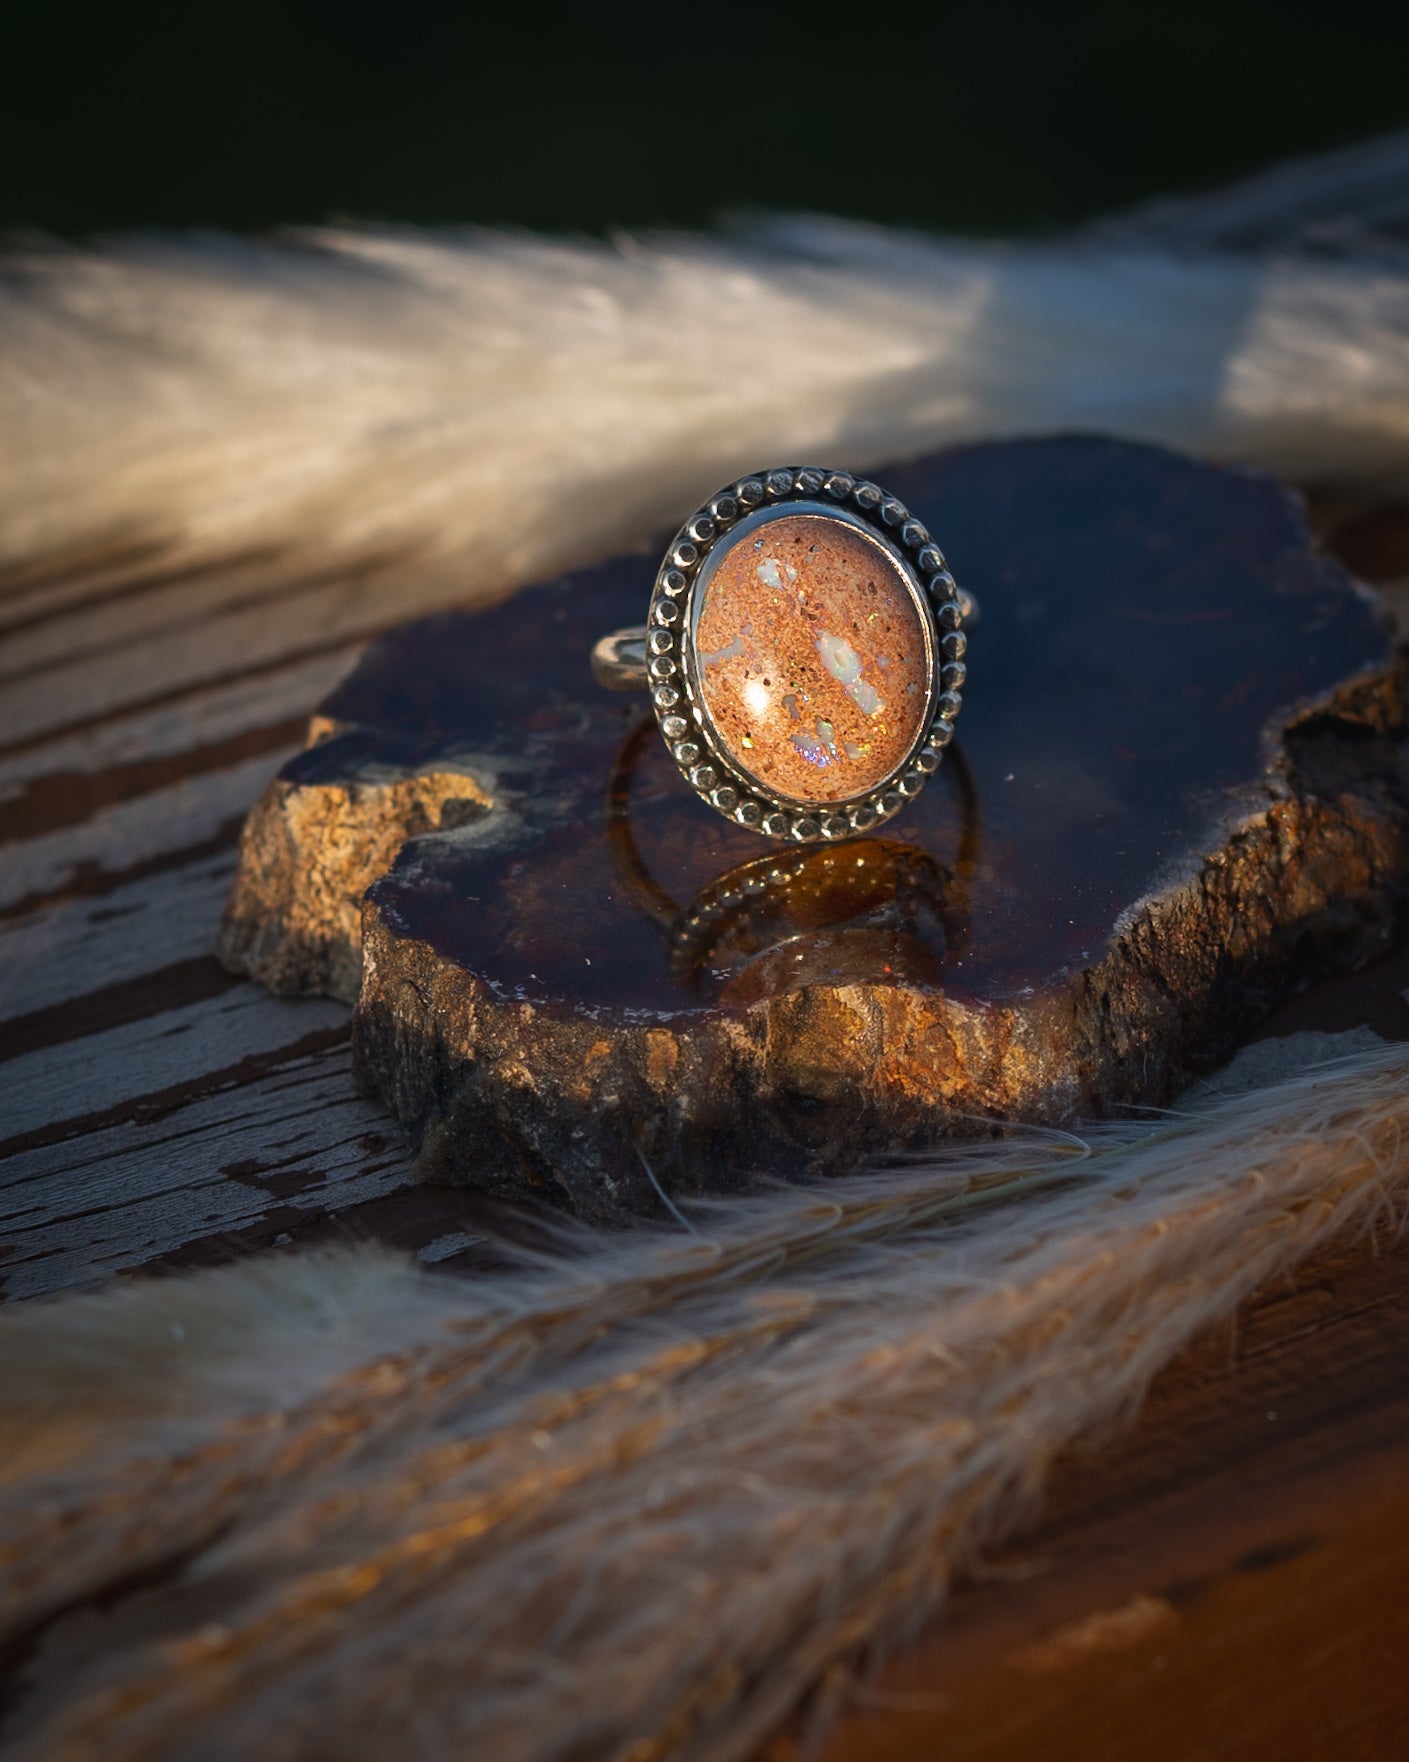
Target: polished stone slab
x=1178, y=795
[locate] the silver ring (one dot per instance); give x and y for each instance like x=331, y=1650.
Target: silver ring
x=804, y=650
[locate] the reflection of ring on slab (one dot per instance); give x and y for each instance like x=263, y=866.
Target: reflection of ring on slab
x=847, y=913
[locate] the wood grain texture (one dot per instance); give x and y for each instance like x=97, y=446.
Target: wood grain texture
x=153, y=1110
x=1227, y=1580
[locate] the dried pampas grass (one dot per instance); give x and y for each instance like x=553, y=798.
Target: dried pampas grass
x=454, y=404
x=635, y=1499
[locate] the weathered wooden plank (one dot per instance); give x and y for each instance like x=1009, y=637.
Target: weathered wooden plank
x=66, y=951
x=199, y=719
x=96, y=854
x=290, y=1113
x=57, y=801
x=1228, y=1580
x=250, y=1157
x=50, y=1090
x=291, y=625
x=122, y=615
x=75, y=581
x=209, y=1120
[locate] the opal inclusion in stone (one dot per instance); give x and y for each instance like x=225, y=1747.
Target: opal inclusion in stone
x=811, y=656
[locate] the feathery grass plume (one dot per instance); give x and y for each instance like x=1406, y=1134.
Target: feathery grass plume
x=472, y=408
x=636, y=1498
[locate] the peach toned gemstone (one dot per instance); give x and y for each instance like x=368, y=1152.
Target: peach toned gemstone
x=811, y=656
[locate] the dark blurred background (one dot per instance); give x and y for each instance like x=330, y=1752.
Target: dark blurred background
x=979, y=117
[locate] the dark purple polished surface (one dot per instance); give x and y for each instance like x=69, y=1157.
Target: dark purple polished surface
x=1144, y=620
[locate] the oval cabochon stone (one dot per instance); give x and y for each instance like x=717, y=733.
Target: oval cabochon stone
x=812, y=656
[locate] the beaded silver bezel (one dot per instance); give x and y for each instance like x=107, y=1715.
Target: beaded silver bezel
x=684, y=720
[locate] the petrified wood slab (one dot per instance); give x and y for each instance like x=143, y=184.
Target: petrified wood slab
x=1181, y=796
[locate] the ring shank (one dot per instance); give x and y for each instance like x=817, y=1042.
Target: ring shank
x=619, y=660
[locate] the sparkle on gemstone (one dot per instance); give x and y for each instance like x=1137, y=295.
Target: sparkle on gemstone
x=812, y=654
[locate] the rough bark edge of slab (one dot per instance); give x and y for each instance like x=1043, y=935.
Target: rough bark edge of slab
x=308, y=853
x=532, y=1099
